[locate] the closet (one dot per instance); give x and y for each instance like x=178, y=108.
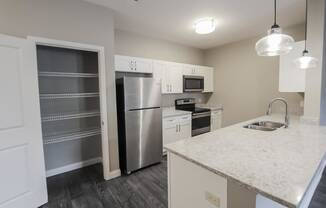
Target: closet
x=72, y=113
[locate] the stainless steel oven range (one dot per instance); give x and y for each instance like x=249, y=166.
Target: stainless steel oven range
x=201, y=117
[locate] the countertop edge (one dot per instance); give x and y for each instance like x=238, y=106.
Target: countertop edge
x=242, y=184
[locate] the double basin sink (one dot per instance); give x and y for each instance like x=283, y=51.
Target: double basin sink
x=265, y=125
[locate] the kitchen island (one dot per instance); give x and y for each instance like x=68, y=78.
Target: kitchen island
x=235, y=167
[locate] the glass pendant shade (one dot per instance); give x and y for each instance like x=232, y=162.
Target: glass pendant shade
x=275, y=43
x=306, y=62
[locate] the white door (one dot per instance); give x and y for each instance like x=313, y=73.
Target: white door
x=22, y=174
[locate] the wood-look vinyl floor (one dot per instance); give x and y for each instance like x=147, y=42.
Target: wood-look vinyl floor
x=147, y=188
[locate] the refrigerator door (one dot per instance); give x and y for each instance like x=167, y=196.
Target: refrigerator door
x=143, y=138
x=142, y=93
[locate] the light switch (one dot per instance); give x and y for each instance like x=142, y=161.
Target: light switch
x=212, y=199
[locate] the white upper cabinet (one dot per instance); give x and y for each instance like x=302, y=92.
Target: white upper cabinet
x=170, y=73
x=208, y=74
x=191, y=70
x=133, y=64
x=291, y=78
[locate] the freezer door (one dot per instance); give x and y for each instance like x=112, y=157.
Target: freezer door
x=142, y=93
x=143, y=138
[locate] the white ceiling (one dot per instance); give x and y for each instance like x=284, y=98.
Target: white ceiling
x=173, y=19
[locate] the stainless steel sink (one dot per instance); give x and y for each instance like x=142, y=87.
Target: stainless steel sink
x=264, y=125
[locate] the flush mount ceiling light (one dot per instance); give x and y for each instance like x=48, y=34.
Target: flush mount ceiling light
x=306, y=61
x=275, y=43
x=205, y=25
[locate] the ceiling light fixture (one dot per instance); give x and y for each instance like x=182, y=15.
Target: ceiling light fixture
x=275, y=43
x=306, y=61
x=205, y=25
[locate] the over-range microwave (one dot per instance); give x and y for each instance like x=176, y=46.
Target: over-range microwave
x=193, y=83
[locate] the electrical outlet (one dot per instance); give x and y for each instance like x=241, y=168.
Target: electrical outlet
x=212, y=199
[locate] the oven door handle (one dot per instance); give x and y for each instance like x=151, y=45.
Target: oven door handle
x=201, y=115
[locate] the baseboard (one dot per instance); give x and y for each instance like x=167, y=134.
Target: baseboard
x=113, y=174
x=73, y=166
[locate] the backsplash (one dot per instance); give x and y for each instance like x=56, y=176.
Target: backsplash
x=201, y=98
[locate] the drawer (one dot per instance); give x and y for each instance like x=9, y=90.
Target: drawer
x=170, y=122
x=185, y=119
x=216, y=113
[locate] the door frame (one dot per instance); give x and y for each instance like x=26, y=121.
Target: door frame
x=103, y=93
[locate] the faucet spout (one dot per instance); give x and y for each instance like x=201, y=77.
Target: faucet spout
x=269, y=110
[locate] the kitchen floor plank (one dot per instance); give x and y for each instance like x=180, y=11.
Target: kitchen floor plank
x=147, y=188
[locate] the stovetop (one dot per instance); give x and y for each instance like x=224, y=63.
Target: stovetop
x=189, y=105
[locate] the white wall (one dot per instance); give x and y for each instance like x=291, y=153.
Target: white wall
x=70, y=20
x=132, y=44
x=246, y=82
x=323, y=88
x=315, y=47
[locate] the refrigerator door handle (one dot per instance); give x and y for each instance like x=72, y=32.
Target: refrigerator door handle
x=139, y=109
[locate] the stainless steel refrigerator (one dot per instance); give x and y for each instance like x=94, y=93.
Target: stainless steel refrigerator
x=139, y=122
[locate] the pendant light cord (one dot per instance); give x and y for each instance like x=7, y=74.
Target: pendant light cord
x=306, y=27
x=275, y=25
x=274, y=12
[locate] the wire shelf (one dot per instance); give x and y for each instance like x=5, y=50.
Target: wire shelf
x=68, y=95
x=53, y=139
x=61, y=117
x=65, y=74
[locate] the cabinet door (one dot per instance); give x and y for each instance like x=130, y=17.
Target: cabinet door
x=123, y=64
x=143, y=65
x=174, y=78
x=170, y=130
x=216, y=120
x=208, y=74
x=160, y=72
x=292, y=79
x=184, y=127
x=188, y=69
x=184, y=131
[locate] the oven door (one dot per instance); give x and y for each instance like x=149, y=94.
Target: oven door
x=193, y=83
x=201, y=123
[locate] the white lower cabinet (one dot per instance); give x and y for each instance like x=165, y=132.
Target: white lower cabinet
x=176, y=128
x=191, y=186
x=216, y=119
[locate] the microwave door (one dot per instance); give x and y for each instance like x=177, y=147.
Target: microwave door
x=193, y=84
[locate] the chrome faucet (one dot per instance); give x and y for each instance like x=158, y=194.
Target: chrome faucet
x=269, y=111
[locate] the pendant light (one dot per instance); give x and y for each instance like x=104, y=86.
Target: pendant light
x=306, y=61
x=275, y=43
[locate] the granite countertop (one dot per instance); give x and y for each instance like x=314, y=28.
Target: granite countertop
x=279, y=165
x=171, y=111
x=211, y=106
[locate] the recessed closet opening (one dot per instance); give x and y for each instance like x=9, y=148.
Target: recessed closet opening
x=73, y=107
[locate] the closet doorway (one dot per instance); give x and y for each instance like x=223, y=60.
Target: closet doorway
x=73, y=105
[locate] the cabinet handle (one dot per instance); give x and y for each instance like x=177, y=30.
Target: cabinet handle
x=179, y=127
x=176, y=128
x=135, y=65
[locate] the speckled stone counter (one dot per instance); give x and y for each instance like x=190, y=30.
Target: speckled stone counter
x=171, y=111
x=278, y=165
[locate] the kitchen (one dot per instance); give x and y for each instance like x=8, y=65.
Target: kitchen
x=97, y=43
